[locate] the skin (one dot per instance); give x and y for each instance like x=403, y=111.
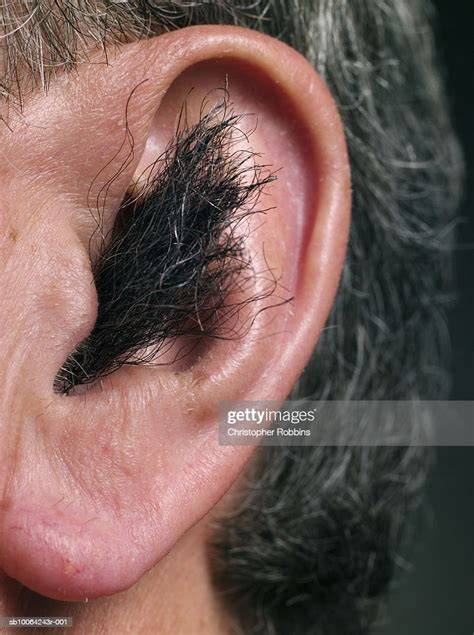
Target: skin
x=112, y=491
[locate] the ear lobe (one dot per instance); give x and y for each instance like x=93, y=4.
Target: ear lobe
x=134, y=462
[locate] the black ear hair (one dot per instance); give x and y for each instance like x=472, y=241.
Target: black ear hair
x=177, y=251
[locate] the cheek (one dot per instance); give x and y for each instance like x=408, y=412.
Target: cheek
x=47, y=305
x=47, y=302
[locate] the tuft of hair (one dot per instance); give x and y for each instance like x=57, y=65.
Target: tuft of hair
x=176, y=266
x=40, y=39
x=314, y=537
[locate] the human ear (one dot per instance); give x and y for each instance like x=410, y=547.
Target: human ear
x=123, y=469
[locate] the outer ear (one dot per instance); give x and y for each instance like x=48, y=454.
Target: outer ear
x=121, y=472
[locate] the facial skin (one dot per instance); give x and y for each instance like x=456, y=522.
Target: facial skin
x=113, y=490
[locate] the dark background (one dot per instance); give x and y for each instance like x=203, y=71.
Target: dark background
x=437, y=598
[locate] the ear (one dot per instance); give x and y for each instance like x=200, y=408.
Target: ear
x=123, y=470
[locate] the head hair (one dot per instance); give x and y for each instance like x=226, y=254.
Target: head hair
x=314, y=538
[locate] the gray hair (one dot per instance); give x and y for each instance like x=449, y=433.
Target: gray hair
x=313, y=541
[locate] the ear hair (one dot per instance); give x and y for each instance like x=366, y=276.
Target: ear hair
x=176, y=264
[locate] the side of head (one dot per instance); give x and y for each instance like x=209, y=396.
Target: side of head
x=192, y=247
